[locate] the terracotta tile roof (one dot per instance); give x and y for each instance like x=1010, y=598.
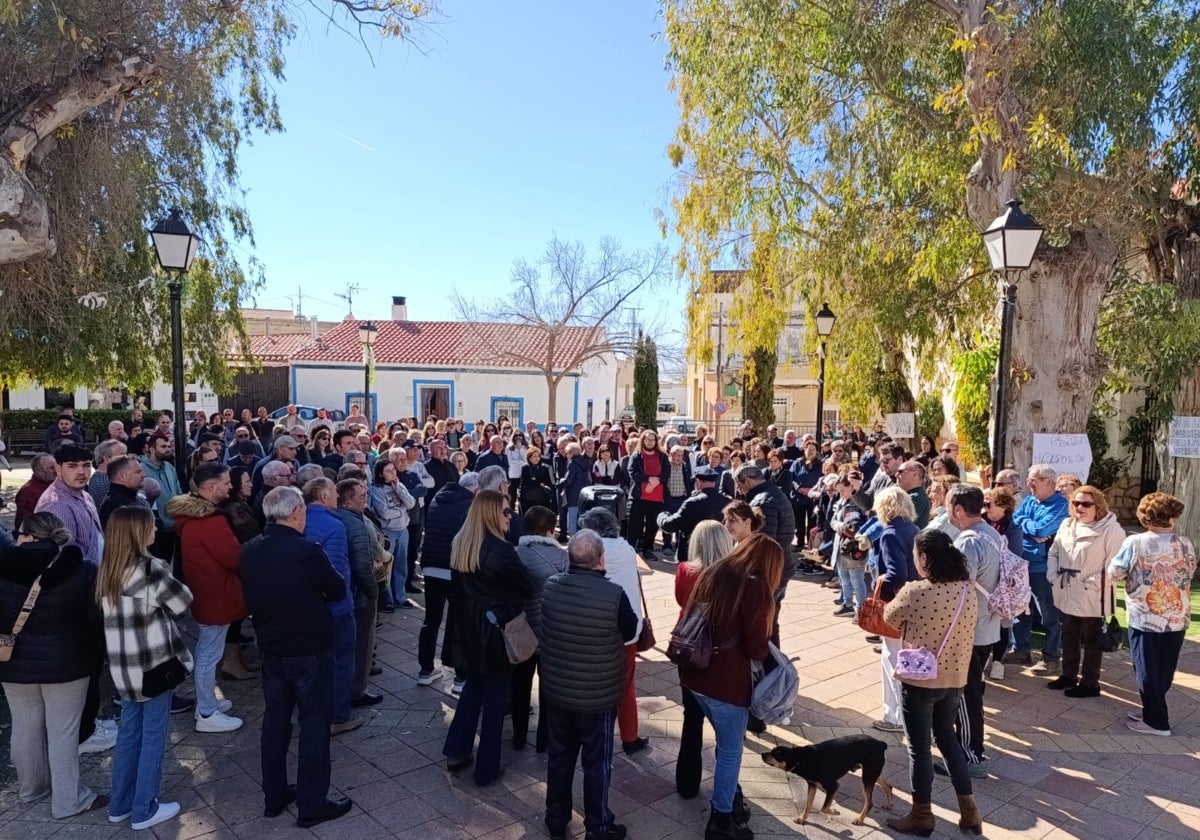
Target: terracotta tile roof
x=447, y=344
x=277, y=349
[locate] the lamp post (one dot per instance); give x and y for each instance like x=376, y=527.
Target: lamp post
x=825, y=319
x=1011, y=241
x=367, y=332
x=176, y=247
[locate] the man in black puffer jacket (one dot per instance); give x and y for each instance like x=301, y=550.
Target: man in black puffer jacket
x=705, y=503
x=586, y=621
x=446, y=515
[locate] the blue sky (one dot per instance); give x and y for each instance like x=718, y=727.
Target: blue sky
x=519, y=121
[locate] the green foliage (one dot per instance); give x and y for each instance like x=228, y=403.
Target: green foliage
x=931, y=417
x=760, y=387
x=1105, y=471
x=173, y=139
x=836, y=142
x=645, y=383
x=94, y=420
x=1151, y=334
x=973, y=370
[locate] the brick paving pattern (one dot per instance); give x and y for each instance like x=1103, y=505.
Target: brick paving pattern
x=1061, y=768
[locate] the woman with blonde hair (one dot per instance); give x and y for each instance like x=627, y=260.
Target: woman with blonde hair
x=52, y=659
x=147, y=658
x=1076, y=567
x=710, y=541
x=737, y=595
x=491, y=586
x=894, y=550
x=1157, y=568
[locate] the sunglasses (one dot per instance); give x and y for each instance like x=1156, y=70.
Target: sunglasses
x=506, y=512
x=947, y=449
x=1084, y=505
x=987, y=504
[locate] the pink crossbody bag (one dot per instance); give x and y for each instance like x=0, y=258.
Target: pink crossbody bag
x=918, y=663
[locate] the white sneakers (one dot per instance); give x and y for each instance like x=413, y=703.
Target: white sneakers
x=165, y=811
x=997, y=672
x=217, y=722
x=104, y=738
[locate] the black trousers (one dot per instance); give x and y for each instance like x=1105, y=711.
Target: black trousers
x=291, y=682
x=643, y=524
x=1081, y=634
x=574, y=736
x=969, y=723
x=437, y=605
x=688, y=766
x=415, y=531
x=522, y=693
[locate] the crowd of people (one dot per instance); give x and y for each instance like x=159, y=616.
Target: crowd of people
x=525, y=545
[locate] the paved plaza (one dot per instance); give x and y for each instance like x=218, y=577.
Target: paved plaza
x=1062, y=768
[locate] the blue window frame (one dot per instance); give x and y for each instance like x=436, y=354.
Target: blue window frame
x=509, y=406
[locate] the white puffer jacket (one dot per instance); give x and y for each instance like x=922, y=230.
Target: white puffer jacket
x=1077, y=557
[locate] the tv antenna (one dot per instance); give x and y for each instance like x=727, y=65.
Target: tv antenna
x=348, y=296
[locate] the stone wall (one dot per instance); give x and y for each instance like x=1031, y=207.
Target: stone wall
x=1123, y=498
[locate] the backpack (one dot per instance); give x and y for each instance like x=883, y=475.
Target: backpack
x=1011, y=596
x=691, y=644
x=775, y=693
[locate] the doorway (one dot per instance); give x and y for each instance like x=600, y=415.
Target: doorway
x=433, y=400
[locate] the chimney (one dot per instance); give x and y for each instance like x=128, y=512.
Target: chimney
x=399, y=308
x=315, y=327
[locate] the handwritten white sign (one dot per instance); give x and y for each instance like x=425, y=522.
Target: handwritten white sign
x=900, y=425
x=1066, y=453
x=1184, y=438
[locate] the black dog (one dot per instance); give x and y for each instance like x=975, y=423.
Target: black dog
x=825, y=763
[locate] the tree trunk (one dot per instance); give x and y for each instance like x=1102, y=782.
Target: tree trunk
x=552, y=393
x=25, y=231
x=1181, y=476
x=1056, y=367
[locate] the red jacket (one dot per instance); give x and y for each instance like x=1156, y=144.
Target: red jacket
x=211, y=559
x=727, y=678
x=27, y=499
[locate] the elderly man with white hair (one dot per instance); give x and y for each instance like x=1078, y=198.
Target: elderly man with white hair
x=116, y=431
x=1038, y=516
x=587, y=622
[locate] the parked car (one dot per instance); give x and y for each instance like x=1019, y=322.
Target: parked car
x=682, y=425
x=308, y=413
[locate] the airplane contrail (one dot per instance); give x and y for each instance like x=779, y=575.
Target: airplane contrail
x=352, y=140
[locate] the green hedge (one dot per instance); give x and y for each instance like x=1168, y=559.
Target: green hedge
x=95, y=420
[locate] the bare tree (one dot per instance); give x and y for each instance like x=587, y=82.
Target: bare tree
x=571, y=305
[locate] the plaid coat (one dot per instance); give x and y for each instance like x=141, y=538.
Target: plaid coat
x=140, y=630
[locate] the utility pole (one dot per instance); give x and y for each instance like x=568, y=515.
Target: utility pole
x=720, y=348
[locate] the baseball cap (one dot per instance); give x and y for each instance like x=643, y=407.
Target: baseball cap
x=705, y=472
x=246, y=447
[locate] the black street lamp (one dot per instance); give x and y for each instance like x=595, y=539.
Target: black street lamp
x=1011, y=241
x=367, y=333
x=825, y=319
x=176, y=247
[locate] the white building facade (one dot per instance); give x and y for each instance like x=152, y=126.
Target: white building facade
x=451, y=369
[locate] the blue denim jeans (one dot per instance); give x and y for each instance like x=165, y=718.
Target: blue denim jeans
x=345, y=633
x=399, y=541
x=572, y=520
x=854, y=584
x=729, y=722
x=210, y=647
x=137, y=759
x=1043, y=595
